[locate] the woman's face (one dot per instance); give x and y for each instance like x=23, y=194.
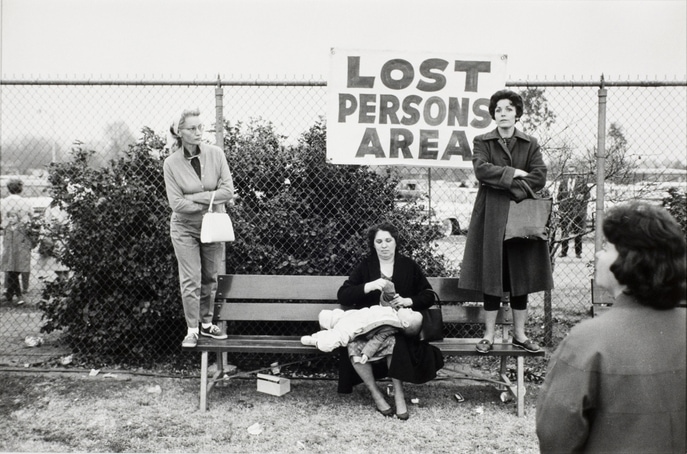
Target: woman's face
x=191, y=132
x=385, y=245
x=603, y=275
x=504, y=114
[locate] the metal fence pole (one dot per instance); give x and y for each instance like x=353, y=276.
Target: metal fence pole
x=219, y=114
x=600, y=166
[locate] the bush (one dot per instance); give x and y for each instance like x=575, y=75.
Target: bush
x=676, y=204
x=295, y=214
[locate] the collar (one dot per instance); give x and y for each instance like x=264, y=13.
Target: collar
x=494, y=135
x=188, y=155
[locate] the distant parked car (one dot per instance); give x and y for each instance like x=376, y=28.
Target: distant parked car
x=411, y=190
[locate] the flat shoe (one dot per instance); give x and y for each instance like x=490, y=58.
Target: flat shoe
x=403, y=416
x=388, y=412
x=528, y=345
x=483, y=346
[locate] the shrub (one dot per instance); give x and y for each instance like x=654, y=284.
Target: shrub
x=676, y=204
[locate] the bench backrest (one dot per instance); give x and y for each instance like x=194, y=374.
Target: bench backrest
x=250, y=297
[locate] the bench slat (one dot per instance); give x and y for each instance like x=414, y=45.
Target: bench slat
x=292, y=344
x=285, y=312
x=317, y=288
x=251, y=286
x=268, y=311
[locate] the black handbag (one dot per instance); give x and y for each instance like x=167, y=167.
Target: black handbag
x=432, y=322
x=529, y=218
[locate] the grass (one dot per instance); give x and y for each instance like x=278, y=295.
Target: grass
x=129, y=413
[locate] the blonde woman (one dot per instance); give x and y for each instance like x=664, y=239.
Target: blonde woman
x=193, y=171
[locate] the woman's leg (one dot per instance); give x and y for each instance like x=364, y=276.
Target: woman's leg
x=519, y=306
x=367, y=376
x=492, y=304
x=399, y=396
x=187, y=250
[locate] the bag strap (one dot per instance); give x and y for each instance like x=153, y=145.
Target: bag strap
x=529, y=190
x=437, y=300
x=212, y=199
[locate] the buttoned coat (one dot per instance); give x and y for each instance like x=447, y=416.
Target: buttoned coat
x=529, y=266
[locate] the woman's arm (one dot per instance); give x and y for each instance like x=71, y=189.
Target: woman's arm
x=175, y=196
x=352, y=292
x=486, y=172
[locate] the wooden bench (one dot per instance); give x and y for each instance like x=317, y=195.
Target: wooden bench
x=268, y=298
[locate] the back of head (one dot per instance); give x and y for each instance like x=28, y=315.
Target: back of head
x=15, y=186
x=651, y=249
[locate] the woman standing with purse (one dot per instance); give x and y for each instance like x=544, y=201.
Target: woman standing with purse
x=195, y=172
x=505, y=160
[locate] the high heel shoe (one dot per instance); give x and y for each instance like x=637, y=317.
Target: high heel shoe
x=403, y=416
x=388, y=412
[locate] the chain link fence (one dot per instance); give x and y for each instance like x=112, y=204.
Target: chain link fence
x=45, y=122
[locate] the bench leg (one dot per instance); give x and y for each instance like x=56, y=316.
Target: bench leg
x=204, y=381
x=521, y=385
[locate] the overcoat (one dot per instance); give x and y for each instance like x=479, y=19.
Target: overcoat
x=528, y=262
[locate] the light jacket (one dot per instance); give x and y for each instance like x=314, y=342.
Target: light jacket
x=189, y=196
x=616, y=384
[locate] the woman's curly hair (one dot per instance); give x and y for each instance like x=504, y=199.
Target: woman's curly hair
x=387, y=227
x=512, y=96
x=651, y=259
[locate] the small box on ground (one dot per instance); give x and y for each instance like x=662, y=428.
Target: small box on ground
x=276, y=386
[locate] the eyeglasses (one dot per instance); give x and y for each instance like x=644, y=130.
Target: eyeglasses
x=194, y=129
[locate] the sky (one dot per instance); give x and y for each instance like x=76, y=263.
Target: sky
x=291, y=39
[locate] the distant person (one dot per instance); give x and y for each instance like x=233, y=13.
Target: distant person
x=194, y=171
x=616, y=383
x=16, y=254
x=51, y=245
x=573, y=197
x=504, y=160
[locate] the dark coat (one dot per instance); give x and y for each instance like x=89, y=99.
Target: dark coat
x=529, y=264
x=412, y=361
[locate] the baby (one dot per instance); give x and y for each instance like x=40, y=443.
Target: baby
x=376, y=322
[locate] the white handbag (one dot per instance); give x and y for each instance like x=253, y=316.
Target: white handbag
x=216, y=227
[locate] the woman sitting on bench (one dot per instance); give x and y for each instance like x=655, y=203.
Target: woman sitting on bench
x=405, y=358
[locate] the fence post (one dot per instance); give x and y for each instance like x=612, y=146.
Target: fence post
x=600, y=166
x=219, y=114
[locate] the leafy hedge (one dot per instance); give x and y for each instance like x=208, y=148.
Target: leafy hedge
x=295, y=214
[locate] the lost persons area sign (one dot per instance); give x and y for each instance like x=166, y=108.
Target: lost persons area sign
x=404, y=108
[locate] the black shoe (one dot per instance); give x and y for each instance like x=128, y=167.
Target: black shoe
x=563, y=255
x=388, y=412
x=528, y=345
x=212, y=331
x=403, y=416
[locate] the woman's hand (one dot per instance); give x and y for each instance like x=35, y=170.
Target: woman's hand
x=400, y=302
x=377, y=284
x=519, y=173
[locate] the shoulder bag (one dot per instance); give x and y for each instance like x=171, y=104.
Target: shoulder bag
x=216, y=227
x=432, y=322
x=529, y=218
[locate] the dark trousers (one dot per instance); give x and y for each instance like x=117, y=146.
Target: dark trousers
x=12, y=284
x=578, y=246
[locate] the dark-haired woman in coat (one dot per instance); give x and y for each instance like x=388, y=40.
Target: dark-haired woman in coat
x=504, y=160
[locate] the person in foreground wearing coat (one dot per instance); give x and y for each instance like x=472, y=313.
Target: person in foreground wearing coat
x=616, y=383
x=404, y=358
x=504, y=160
x=193, y=171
